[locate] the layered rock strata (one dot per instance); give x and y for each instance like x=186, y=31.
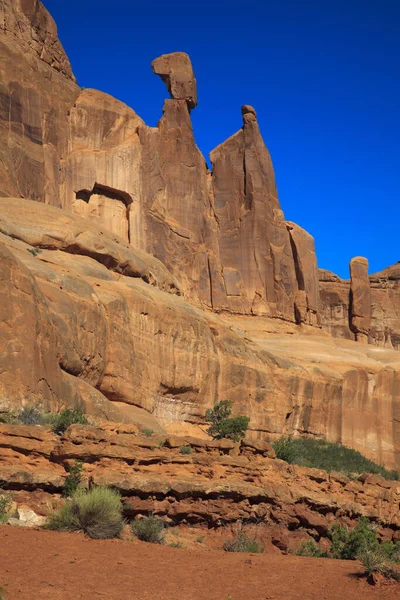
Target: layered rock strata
x=214, y=484
x=108, y=295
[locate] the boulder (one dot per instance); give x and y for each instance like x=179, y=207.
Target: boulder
x=176, y=71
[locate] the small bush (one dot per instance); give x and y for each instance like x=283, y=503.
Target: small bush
x=34, y=251
x=243, y=544
x=222, y=425
x=149, y=529
x=320, y=454
x=96, y=512
x=312, y=549
x=185, y=450
x=73, y=479
x=147, y=432
x=31, y=415
x=5, y=506
x=2, y=593
x=68, y=417
x=374, y=561
x=347, y=544
x=284, y=449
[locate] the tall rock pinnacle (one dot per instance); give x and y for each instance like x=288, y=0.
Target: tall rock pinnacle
x=176, y=71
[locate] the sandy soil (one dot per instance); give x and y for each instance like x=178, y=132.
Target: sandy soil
x=44, y=565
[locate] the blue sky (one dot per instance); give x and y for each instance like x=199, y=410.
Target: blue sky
x=324, y=77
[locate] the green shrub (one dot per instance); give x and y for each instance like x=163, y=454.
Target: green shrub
x=374, y=561
x=243, y=544
x=5, y=506
x=222, y=425
x=284, y=448
x=185, y=450
x=2, y=593
x=148, y=529
x=346, y=544
x=73, y=479
x=68, y=417
x=31, y=415
x=312, y=549
x=34, y=251
x=97, y=512
x=320, y=454
x=147, y=432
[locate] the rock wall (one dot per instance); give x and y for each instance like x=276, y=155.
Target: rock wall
x=216, y=484
x=365, y=309
x=222, y=234
x=152, y=283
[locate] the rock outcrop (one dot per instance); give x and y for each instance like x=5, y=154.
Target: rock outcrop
x=360, y=299
x=370, y=313
x=176, y=71
x=216, y=483
x=153, y=287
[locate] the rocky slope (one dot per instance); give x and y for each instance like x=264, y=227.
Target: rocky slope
x=141, y=284
x=217, y=484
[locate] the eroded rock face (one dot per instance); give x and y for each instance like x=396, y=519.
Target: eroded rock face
x=360, y=298
x=378, y=301
x=176, y=71
x=143, y=244
x=254, y=244
x=307, y=298
x=31, y=24
x=216, y=483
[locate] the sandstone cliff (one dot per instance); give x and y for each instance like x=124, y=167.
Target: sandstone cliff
x=143, y=285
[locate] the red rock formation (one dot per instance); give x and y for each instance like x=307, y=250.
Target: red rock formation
x=110, y=329
x=307, y=297
x=360, y=299
x=218, y=482
x=176, y=71
x=256, y=256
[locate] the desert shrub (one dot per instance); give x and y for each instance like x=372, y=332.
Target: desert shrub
x=185, y=450
x=222, y=425
x=97, y=512
x=320, y=454
x=312, y=549
x=2, y=593
x=148, y=529
x=284, y=448
x=31, y=415
x=147, y=432
x=374, y=561
x=391, y=551
x=176, y=545
x=243, y=544
x=68, y=417
x=346, y=544
x=5, y=506
x=34, y=251
x=73, y=479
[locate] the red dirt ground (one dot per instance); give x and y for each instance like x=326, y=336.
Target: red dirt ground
x=44, y=565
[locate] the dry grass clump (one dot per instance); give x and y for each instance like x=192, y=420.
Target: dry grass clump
x=97, y=512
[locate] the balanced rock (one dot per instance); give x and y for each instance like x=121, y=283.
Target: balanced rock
x=248, y=113
x=176, y=71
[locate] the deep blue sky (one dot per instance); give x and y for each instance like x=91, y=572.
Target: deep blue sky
x=323, y=75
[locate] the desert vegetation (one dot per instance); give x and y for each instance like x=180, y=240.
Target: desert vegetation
x=57, y=421
x=149, y=529
x=5, y=506
x=359, y=543
x=320, y=454
x=97, y=512
x=243, y=543
x=222, y=425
